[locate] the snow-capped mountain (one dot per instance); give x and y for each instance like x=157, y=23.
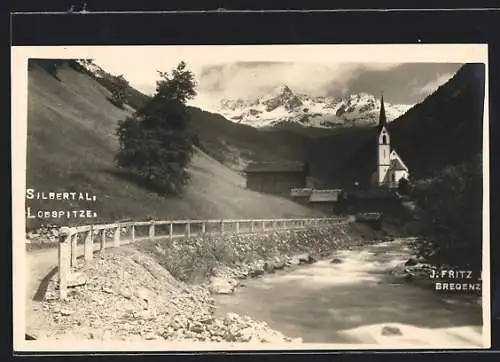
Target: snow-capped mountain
x=282, y=105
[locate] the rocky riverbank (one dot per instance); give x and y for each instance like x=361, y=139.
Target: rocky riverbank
x=449, y=281
x=127, y=296
x=133, y=293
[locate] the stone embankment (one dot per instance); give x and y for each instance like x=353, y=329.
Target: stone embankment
x=127, y=296
x=155, y=291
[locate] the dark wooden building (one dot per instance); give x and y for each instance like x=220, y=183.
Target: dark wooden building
x=326, y=200
x=276, y=178
x=376, y=200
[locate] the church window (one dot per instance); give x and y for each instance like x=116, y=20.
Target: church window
x=384, y=139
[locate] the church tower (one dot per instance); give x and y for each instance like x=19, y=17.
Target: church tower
x=383, y=147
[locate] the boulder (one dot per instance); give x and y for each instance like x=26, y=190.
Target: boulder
x=421, y=259
x=399, y=271
x=257, y=269
x=220, y=285
x=411, y=262
x=269, y=267
x=278, y=263
x=76, y=279
x=306, y=259
x=293, y=261
x=336, y=261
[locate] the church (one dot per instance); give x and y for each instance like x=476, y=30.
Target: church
x=390, y=168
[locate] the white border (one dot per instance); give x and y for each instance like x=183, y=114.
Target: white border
x=375, y=53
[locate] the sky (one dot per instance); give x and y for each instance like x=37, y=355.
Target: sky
x=401, y=82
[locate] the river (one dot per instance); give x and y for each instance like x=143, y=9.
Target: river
x=352, y=301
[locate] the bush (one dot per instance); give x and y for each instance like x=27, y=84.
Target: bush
x=451, y=206
x=404, y=187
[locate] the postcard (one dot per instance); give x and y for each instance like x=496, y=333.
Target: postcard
x=270, y=197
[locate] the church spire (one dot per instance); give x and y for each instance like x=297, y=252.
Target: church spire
x=382, y=119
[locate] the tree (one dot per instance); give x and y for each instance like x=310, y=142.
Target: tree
x=451, y=203
x=404, y=187
x=157, y=143
x=119, y=90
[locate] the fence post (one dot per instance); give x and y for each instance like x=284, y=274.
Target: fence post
x=74, y=246
x=263, y=225
x=222, y=227
x=103, y=241
x=188, y=229
x=274, y=225
x=116, y=236
x=251, y=226
x=171, y=231
x=132, y=233
x=152, y=230
x=64, y=260
x=89, y=245
x=203, y=227
x=237, y=227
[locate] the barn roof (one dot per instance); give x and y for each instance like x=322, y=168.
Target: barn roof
x=301, y=192
x=324, y=195
x=276, y=167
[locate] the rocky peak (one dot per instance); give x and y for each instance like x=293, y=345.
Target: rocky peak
x=281, y=96
x=282, y=105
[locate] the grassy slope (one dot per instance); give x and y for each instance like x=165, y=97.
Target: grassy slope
x=71, y=145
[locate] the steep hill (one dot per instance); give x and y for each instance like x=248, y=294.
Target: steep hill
x=71, y=145
x=444, y=129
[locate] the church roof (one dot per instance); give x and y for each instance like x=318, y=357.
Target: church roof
x=397, y=165
x=382, y=120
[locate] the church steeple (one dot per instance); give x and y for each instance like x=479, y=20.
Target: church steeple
x=382, y=121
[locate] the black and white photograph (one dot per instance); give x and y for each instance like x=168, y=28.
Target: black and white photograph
x=267, y=197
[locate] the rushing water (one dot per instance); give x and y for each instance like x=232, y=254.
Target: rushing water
x=352, y=301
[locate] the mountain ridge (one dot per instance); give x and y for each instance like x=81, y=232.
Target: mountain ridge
x=282, y=105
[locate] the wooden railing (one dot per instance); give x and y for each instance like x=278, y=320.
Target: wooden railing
x=117, y=234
